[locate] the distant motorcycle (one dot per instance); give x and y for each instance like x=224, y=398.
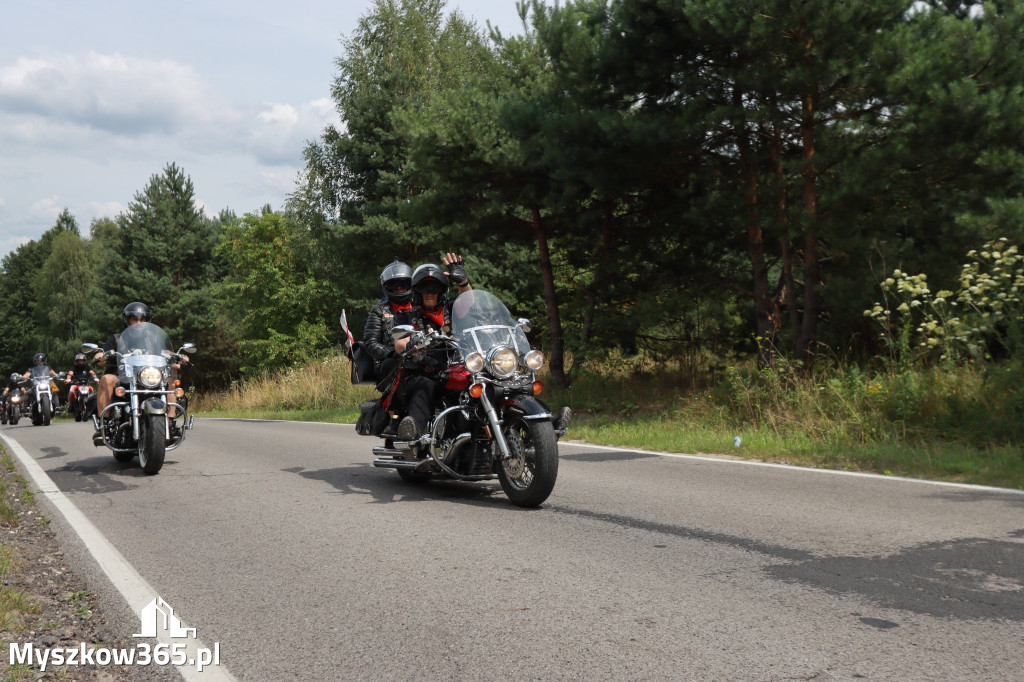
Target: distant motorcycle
x=12, y=407
x=138, y=421
x=488, y=423
x=82, y=399
x=40, y=396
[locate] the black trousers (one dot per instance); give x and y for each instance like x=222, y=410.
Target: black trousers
x=419, y=395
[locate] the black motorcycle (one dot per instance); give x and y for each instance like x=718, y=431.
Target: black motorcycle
x=488, y=423
x=13, y=402
x=138, y=419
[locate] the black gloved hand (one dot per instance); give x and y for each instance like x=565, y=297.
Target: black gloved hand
x=457, y=272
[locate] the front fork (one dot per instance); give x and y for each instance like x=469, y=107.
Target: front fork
x=495, y=422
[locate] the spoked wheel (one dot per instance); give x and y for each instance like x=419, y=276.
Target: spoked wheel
x=528, y=476
x=152, y=446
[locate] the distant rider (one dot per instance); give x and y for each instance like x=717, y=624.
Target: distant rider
x=79, y=375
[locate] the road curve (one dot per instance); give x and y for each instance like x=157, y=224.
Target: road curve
x=280, y=542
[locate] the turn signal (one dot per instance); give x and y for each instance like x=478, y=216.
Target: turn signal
x=119, y=391
x=537, y=387
x=177, y=382
x=178, y=392
x=476, y=390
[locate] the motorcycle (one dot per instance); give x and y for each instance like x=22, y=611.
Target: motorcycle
x=40, y=395
x=138, y=420
x=12, y=407
x=488, y=423
x=82, y=399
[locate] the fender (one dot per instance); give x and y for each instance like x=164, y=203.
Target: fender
x=154, y=406
x=526, y=407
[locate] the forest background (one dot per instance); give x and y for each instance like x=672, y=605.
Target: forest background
x=796, y=222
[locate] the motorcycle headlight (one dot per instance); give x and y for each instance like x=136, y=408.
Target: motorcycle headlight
x=502, y=361
x=151, y=377
x=534, y=360
x=16, y=399
x=474, y=362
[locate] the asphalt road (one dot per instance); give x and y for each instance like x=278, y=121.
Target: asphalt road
x=281, y=543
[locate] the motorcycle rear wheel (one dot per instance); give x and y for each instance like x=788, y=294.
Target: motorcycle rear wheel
x=152, y=446
x=528, y=476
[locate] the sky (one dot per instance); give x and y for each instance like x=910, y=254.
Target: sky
x=98, y=96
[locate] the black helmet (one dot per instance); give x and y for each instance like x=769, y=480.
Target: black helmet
x=396, y=276
x=427, y=276
x=80, y=358
x=15, y=377
x=39, y=359
x=136, y=309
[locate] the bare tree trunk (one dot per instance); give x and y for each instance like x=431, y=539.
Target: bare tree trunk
x=765, y=309
x=812, y=295
x=557, y=348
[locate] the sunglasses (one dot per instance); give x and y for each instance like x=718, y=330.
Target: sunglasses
x=430, y=288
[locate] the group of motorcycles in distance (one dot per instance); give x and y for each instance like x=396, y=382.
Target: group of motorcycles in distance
x=148, y=413
x=38, y=398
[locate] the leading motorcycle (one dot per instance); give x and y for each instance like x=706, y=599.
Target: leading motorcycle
x=40, y=395
x=488, y=422
x=138, y=419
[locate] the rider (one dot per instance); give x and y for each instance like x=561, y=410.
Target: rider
x=396, y=284
x=79, y=375
x=433, y=312
x=39, y=362
x=13, y=384
x=133, y=313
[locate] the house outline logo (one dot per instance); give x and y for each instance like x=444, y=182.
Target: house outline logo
x=158, y=615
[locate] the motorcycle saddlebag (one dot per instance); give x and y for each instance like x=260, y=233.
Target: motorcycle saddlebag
x=372, y=418
x=364, y=370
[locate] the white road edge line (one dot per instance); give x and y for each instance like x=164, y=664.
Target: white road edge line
x=711, y=458
x=132, y=586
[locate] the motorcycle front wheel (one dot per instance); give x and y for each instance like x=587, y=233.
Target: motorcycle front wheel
x=528, y=475
x=45, y=411
x=152, y=446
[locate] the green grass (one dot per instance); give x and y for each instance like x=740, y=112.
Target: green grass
x=964, y=424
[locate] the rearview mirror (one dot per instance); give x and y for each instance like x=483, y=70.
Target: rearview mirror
x=402, y=331
x=524, y=323
x=188, y=348
x=87, y=347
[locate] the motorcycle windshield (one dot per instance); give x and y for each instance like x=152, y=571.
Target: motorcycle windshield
x=144, y=339
x=40, y=372
x=480, y=321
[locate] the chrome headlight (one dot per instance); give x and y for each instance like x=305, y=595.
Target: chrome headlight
x=150, y=377
x=502, y=361
x=534, y=360
x=16, y=399
x=474, y=362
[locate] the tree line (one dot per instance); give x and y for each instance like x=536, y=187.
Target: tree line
x=667, y=176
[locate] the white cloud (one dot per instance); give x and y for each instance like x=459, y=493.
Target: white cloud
x=47, y=206
x=280, y=131
x=112, y=92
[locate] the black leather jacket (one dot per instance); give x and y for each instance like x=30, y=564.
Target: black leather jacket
x=377, y=333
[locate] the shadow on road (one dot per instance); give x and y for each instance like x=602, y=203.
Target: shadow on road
x=386, y=487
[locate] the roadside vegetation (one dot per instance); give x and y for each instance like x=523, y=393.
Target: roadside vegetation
x=942, y=424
